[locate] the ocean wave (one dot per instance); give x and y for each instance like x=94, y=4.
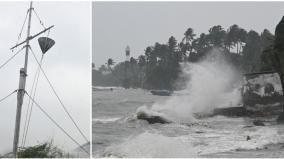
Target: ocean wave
x=150, y=145
x=102, y=88
x=155, y=144
x=105, y=120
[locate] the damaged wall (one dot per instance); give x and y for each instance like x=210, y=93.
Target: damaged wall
x=261, y=91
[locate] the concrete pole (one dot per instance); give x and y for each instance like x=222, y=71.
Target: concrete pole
x=21, y=90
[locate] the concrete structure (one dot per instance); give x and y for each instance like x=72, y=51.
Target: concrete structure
x=262, y=91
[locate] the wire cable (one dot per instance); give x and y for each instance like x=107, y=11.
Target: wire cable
x=62, y=129
x=30, y=105
x=65, y=109
x=8, y=95
x=1, y=66
x=40, y=21
x=22, y=28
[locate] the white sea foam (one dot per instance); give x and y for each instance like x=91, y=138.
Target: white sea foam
x=151, y=145
x=102, y=88
x=155, y=144
x=105, y=120
x=212, y=84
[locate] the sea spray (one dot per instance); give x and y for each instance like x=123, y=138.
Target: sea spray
x=151, y=145
x=212, y=83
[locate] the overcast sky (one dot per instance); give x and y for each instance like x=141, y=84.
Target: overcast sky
x=67, y=65
x=141, y=24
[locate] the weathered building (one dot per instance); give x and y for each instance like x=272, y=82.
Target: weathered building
x=262, y=92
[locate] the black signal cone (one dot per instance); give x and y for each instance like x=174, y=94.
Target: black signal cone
x=45, y=44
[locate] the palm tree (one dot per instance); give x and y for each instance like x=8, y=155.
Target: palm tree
x=188, y=38
x=217, y=35
x=188, y=35
x=109, y=63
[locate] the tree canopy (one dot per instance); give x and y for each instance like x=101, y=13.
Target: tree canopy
x=159, y=66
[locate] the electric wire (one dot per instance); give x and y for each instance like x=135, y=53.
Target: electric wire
x=62, y=129
x=65, y=109
x=2, y=99
x=22, y=28
x=40, y=21
x=1, y=66
x=30, y=105
x=32, y=92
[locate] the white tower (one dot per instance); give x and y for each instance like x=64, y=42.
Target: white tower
x=127, y=53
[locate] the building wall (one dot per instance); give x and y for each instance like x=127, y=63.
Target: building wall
x=261, y=90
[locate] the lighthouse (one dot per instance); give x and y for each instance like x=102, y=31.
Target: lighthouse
x=126, y=64
x=127, y=53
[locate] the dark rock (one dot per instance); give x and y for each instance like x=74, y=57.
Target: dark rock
x=280, y=118
x=248, y=126
x=248, y=138
x=231, y=111
x=258, y=123
x=161, y=92
x=152, y=119
x=99, y=143
x=199, y=132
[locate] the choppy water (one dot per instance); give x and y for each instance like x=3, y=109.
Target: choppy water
x=117, y=133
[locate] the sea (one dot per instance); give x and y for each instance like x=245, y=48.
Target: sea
x=118, y=133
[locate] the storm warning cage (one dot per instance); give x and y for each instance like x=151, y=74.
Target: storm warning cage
x=45, y=44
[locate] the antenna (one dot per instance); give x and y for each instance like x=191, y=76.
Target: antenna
x=23, y=75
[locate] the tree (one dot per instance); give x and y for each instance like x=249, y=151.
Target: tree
x=217, y=35
x=110, y=63
x=141, y=64
x=242, y=36
x=186, y=44
x=188, y=35
x=103, y=68
x=45, y=150
x=200, y=43
x=159, y=67
x=251, y=53
x=236, y=36
x=232, y=36
x=267, y=42
x=132, y=61
x=141, y=61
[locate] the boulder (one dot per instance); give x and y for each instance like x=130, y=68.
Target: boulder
x=258, y=123
x=152, y=119
x=280, y=118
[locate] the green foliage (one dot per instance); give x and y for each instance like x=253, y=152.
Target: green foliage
x=217, y=36
x=45, y=150
x=159, y=67
x=267, y=59
x=252, y=52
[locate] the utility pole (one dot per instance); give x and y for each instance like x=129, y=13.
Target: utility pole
x=22, y=84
